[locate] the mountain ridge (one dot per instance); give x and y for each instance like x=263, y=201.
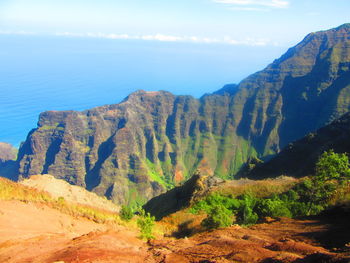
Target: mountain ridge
x=152, y=141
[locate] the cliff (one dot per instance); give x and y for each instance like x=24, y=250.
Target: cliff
x=153, y=140
x=298, y=159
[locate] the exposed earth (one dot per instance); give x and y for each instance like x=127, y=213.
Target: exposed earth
x=36, y=233
x=284, y=240
x=59, y=188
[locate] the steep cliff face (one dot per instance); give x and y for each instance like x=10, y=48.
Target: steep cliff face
x=136, y=149
x=298, y=159
x=7, y=152
x=152, y=140
x=8, y=166
x=298, y=93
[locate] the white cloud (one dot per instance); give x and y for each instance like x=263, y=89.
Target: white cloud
x=171, y=38
x=155, y=37
x=256, y=3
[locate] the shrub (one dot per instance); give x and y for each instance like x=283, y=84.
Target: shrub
x=246, y=215
x=218, y=216
x=145, y=222
x=61, y=200
x=215, y=199
x=273, y=208
x=299, y=208
x=308, y=197
x=126, y=213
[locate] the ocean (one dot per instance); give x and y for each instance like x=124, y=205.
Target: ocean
x=39, y=73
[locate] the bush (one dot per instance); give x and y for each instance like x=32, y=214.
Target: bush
x=309, y=197
x=215, y=199
x=246, y=215
x=273, y=208
x=218, y=216
x=299, y=209
x=126, y=213
x=145, y=222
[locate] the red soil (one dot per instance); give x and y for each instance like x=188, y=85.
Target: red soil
x=39, y=234
x=36, y=233
x=286, y=240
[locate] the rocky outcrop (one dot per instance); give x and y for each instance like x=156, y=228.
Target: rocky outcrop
x=8, y=166
x=154, y=140
x=182, y=196
x=7, y=152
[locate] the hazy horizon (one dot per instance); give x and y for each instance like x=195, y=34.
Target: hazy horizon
x=66, y=73
x=74, y=54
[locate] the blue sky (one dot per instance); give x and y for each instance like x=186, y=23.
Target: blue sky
x=115, y=47
x=245, y=22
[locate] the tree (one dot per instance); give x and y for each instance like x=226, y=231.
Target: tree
x=333, y=166
x=331, y=170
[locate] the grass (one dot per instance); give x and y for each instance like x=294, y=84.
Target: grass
x=181, y=224
x=260, y=189
x=13, y=191
x=341, y=196
x=154, y=174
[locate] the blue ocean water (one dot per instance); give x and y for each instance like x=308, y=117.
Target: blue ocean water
x=61, y=73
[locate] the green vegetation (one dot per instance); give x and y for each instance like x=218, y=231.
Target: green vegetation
x=145, y=222
x=218, y=216
x=246, y=214
x=126, y=213
x=309, y=197
x=154, y=175
x=333, y=166
x=53, y=127
x=135, y=198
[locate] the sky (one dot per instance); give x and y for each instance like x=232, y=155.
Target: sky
x=235, y=22
x=79, y=54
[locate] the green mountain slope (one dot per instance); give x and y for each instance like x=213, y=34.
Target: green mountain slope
x=153, y=140
x=298, y=159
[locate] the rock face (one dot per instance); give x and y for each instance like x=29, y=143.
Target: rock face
x=298, y=159
x=7, y=152
x=8, y=166
x=152, y=140
x=182, y=196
